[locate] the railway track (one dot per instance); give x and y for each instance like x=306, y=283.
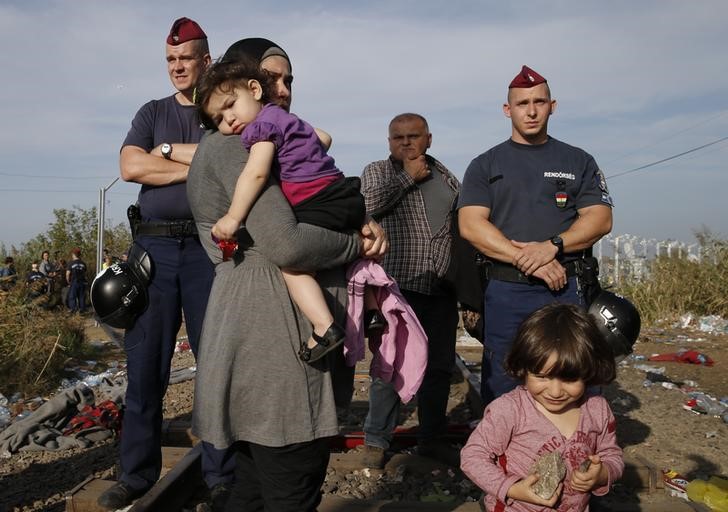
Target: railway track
x=182, y=489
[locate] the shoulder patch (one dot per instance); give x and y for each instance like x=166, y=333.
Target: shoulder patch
x=602, y=181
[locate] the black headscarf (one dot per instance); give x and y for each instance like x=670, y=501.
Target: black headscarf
x=256, y=48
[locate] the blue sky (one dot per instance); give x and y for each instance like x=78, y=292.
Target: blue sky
x=636, y=82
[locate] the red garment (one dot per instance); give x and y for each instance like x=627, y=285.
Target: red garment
x=106, y=415
x=684, y=356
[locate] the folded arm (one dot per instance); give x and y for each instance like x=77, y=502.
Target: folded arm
x=383, y=187
x=476, y=228
x=138, y=166
x=592, y=223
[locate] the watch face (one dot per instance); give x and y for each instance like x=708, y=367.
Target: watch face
x=558, y=242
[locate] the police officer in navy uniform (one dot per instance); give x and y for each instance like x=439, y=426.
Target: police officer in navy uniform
x=156, y=153
x=36, y=281
x=76, y=277
x=534, y=206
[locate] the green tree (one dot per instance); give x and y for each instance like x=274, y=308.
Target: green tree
x=76, y=227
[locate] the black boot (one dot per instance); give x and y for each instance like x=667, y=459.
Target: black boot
x=119, y=495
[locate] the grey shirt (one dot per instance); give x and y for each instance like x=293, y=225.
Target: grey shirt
x=251, y=385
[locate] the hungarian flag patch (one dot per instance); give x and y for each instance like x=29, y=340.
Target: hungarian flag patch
x=561, y=199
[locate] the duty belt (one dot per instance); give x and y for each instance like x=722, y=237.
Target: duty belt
x=504, y=272
x=175, y=229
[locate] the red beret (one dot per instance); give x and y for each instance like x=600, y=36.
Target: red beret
x=183, y=30
x=76, y=251
x=526, y=78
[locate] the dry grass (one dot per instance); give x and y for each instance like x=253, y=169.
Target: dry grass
x=678, y=286
x=28, y=334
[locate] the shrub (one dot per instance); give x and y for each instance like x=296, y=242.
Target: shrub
x=677, y=286
x=28, y=335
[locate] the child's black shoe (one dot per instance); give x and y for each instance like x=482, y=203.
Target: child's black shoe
x=374, y=323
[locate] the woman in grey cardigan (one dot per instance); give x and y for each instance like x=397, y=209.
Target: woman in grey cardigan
x=253, y=392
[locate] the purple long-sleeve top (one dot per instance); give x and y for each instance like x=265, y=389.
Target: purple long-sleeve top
x=299, y=153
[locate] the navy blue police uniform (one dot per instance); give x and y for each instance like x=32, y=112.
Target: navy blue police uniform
x=180, y=284
x=533, y=193
x=37, y=284
x=77, y=286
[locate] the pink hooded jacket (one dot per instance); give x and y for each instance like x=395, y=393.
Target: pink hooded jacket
x=400, y=356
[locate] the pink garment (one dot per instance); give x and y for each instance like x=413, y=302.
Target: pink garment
x=400, y=357
x=513, y=434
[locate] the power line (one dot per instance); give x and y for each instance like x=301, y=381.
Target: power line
x=63, y=191
x=663, y=139
x=668, y=158
x=46, y=176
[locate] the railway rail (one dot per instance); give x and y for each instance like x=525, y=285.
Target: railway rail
x=181, y=488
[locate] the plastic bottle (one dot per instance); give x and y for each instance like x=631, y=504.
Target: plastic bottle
x=5, y=417
x=709, y=404
x=650, y=369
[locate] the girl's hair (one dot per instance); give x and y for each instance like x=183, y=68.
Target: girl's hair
x=571, y=333
x=228, y=75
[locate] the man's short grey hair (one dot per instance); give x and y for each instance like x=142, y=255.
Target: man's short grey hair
x=409, y=116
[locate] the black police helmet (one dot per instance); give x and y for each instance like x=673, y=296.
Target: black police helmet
x=618, y=320
x=119, y=295
x=140, y=263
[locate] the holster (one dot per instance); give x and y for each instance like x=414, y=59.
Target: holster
x=134, y=214
x=587, y=273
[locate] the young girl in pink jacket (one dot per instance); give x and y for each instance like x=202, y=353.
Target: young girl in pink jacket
x=558, y=353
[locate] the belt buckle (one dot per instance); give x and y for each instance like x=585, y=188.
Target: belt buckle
x=177, y=229
x=530, y=279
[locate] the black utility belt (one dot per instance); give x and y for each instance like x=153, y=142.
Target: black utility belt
x=175, y=229
x=504, y=272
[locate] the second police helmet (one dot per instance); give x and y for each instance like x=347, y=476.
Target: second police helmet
x=618, y=320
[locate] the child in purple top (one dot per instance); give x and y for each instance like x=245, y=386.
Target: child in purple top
x=233, y=97
x=558, y=352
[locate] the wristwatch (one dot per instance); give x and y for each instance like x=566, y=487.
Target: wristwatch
x=166, y=150
x=559, y=243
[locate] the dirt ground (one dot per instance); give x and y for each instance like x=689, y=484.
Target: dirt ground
x=652, y=424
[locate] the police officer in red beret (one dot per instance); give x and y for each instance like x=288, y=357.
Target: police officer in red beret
x=156, y=154
x=534, y=206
